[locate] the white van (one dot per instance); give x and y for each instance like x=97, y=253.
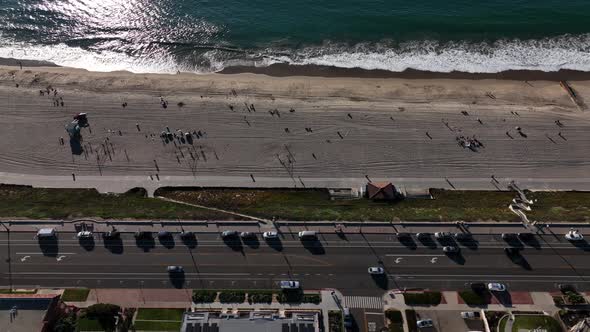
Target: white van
x=46, y=232
x=307, y=235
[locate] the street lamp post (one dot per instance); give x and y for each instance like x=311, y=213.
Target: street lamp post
x=9, y=260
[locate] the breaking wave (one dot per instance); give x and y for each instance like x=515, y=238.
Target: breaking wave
x=550, y=54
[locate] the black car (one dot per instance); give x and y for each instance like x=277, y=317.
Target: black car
x=567, y=288
x=143, y=235
x=403, y=235
x=508, y=236
x=462, y=236
x=114, y=234
x=187, y=234
x=525, y=236
x=478, y=287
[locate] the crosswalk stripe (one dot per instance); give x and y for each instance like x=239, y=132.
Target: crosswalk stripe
x=367, y=302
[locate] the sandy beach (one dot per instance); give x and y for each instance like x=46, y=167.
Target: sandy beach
x=299, y=128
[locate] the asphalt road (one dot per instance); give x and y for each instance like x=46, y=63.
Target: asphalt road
x=333, y=262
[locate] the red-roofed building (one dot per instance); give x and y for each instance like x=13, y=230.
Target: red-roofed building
x=381, y=191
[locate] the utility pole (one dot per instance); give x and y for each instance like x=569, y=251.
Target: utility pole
x=9, y=260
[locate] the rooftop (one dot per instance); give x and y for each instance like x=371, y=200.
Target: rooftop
x=250, y=321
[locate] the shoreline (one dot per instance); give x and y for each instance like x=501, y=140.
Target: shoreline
x=286, y=70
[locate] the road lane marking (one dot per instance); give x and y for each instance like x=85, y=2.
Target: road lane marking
x=433, y=260
x=398, y=260
x=414, y=255
x=24, y=258
x=60, y=258
x=41, y=253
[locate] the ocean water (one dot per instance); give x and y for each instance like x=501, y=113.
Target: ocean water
x=209, y=35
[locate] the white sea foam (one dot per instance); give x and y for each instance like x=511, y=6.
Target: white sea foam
x=551, y=54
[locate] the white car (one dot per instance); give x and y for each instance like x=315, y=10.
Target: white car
x=289, y=284
x=574, y=236
x=496, y=287
x=450, y=249
x=175, y=269
x=442, y=235
x=270, y=235
x=470, y=315
x=84, y=234
x=424, y=323
x=376, y=270
x=229, y=233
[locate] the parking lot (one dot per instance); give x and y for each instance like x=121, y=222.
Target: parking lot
x=448, y=320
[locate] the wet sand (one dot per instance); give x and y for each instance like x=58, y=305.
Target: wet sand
x=299, y=128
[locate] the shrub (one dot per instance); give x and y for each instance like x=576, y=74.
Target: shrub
x=259, y=296
x=396, y=321
x=232, y=296
x=574, y=298
x=311, y=298
x=204, y=296
x=473, y=298
x=104, y=313
x=289, y=296
x=426, y=298
x=558, y=300
x=335, y=320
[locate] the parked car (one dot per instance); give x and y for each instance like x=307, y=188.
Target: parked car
x=471, y=315
x=229, y=233
x=508, y=236
x=376, y=270
x=164, y=234
x=247, y=235
x=347, y=317
x=143, y=235
x=424, y=323
x=289, y=284
x=114, y=234
x=496, y=287
x=442, y=235
x=574, y=236
x=270, y=235
x=450, y=249
x=84, y=234
x=479, y=287
x=186, y=234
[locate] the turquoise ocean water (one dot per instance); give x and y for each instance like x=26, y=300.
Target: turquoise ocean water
x=209, y=35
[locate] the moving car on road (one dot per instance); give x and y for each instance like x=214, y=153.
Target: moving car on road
x=46, y=233
x=403, y=235
x=186, y=234
x=175, y=269
x=450, y=249
x=307, y=235
x=423, y=235
x=114, y=234
x=424, y=323
x=270, y=235
x=164, y=234
x=462, y=236
x=376, y=270
x=508, y=236
x=143, y=235
x=289, y=284
x=574, y=235
x=496, y=287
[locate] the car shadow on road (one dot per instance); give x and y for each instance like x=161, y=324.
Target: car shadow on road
x=275, y=244
x=518, y=259
x=49, y=246
x=252, y=242
x=409, y=243
x=380, y=280
x=87, y=243
x=234, y=243
x=581, y=244
x=190, y=241
x=114, y=245
x=456, y=257
x=470, y=243
x=145, y=243
x=532, y=242
x=177, y=279
x=167, y=241
x=314, y=246
x=515, y=243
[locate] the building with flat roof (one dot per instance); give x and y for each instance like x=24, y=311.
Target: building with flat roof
x=251, y=321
